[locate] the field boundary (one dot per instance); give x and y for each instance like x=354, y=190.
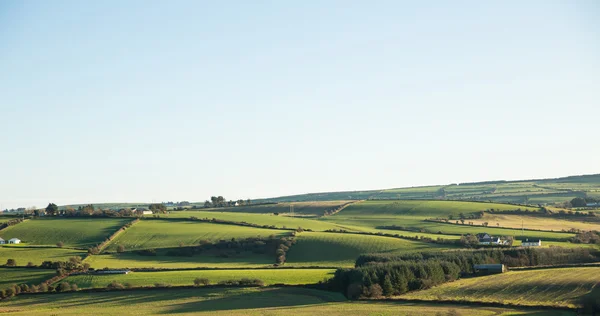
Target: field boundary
x=110, y=238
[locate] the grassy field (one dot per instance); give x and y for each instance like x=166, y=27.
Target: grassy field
x=131, y=260
x=260, y=219
x=311, y=208
x=165, y=233
x=549, y=287
x=533, y=222
x=341, y=250
x=73, y=232
x=10, y=276
x=422, y=208
x=186, y=277
x=236, y=302
x=23, y=255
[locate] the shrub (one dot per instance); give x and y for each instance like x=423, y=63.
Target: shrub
x=114, y=285
x=121, y=249
x=201, y=281
x=11, y=263
x=60, y=244
x=64, y=287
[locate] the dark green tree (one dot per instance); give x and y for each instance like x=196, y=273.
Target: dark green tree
x=51, y=209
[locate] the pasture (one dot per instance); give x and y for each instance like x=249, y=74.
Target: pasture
x=132, y=260
x=10, y=276
x=154, y=233
x=534, y=222
x=341, y=250
x=546, y=287
x=36, y=256
x=186, y=277
x=312, y=208
x=237, y=302
x=279, y=221
x=73, y=232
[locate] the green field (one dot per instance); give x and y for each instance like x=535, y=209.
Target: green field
x=341, y=250
x=132, y=260
x=73, y=232
x=10, y=276
x=236, y=302
x=186, y=277
x=280, y=221
x=171, y=233
x=547, y=287
x=309, y=208
x=533, y=222
x=23, y=255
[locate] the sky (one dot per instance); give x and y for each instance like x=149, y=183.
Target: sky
x=149, y=101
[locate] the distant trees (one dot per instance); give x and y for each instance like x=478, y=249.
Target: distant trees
x=578, y=202
x=51, y=209
x=219, y=201
x=158, y=208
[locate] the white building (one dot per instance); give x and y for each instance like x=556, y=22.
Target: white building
x=14, y=241
x=146, y=212
x=528, y=243
x=486, y=239
x=2, y=241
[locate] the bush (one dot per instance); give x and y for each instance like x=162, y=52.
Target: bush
x=60, y=244
x=373, y=291
x=11, y=263
x=64, y=287
x=201, y=281
x=114, y=285
x=121, y=249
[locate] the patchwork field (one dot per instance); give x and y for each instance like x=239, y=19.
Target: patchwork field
x=549, y=287
x=24, y=255
x=167, y=233
x=10, y=276
x=186, y=277
x=532, y=222
x=341, y=250
x=280, y=221
x=310, y=208
x=236, y=302
x=73, y=232
x=132, y=260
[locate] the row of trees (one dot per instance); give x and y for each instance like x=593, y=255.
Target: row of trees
x=219, y=201
x=389, y=279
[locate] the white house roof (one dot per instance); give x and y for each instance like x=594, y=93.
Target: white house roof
x=1, y=238
x=14, y=239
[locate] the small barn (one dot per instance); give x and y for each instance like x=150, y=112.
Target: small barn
x=528, y=243
x=489, y=268
x=14, y=241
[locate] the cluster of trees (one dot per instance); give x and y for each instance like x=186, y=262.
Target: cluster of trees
x=512, y=257
x=387, y=279
x=158, y=208
x=219, y=201
x=88, y=210
x=583, y=201
x=590, y=237
x=42, y=288
x=335, y=209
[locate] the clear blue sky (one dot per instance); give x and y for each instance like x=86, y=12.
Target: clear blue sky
x=113, y=101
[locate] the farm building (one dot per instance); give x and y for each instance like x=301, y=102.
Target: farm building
x=2, y=241
x=146, y=212
x=528, y=243
x=14, y=241
x=489, y=268
x=486, y=239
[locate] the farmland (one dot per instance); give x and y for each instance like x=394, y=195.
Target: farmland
x=186, y=277
x=132, y=260
x=550, y=287
x=75, y=232
x=237, y=302
x=533, y=222
x=341, y=250
x=24, y=255
x=10, y=276
x=168, y=233
x=309, y=208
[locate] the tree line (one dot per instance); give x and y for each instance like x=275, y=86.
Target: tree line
x=220, y=201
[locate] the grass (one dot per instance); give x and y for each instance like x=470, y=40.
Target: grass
x=236, y=301
x=23, y=255
x=260, y=219
x=533, y=222
x=269, y=276
x=422, y=208
x=131, y=260
x=10, y=276
x=549, y=287
x=165, y=233
x=73, y=232
x=341, y=250
x=311, y=208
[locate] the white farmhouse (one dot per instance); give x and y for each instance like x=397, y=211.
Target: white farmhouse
x=2, y=241
x=14, y=241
